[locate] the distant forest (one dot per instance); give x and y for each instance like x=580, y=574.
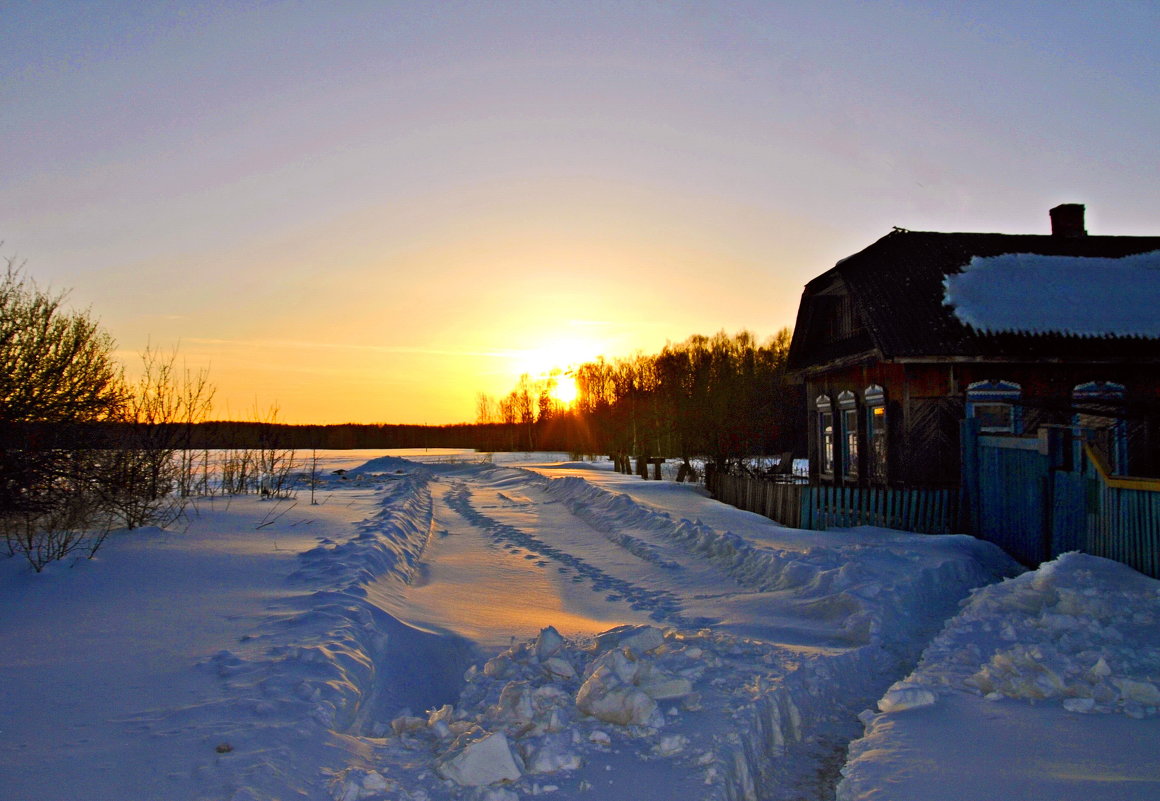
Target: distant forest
x=721, y=398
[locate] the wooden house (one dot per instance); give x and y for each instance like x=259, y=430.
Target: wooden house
x=898, y=343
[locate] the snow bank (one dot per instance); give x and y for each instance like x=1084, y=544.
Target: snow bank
x=1070, y=294
x=868, y=579
x=1078, y=636
x=333, y=662
x=1080, y=631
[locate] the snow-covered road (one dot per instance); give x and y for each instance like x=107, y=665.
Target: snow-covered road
x=787, y=634
x=401, y=641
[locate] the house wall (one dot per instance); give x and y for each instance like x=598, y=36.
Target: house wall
x=925, y=404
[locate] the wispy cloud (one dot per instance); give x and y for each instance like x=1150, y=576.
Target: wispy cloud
x=289, y=344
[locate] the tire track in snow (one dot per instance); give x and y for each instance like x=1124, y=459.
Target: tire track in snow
x=759, y=569
x=634, y=545
x=661, y=605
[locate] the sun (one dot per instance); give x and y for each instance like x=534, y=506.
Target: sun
x=565, y=391
x=553, y=360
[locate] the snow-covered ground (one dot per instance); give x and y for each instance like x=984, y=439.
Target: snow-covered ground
x=1045, y=686
x=449, y=626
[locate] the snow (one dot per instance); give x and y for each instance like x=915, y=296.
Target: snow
x=1042, y=687
x=1066, y=294
x=454, y=626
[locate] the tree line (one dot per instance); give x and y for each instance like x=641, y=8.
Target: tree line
x=720, y=398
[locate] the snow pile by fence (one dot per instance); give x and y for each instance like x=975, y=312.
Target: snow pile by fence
x=1081, y=631
x=1061, y=664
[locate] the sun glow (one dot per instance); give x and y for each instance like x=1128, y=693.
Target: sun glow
x=565, y=391
x=558, y=354
x=555, y=358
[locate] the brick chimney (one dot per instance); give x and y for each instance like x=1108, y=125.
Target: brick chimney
x=1067, y=220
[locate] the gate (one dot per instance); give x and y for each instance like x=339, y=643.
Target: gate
x=1038, y=497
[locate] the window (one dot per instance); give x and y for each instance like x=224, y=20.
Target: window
x=995, y=404
x=834, y=318
x=875, y=400
x=994, y=416
x=825, y=435
x=847, y=405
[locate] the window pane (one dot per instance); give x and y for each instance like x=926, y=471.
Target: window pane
x=827, y=441
x=876, y=442
x=994, y=416
x=850, y=426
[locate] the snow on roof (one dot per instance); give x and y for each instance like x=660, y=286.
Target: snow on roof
x=1064, y=294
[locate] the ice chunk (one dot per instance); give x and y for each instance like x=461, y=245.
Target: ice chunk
x=484, y=761
x=548, y=643
x=604, y=697
x=671, y=744
x=515, y=702
x=1142, y=692
x=662, y=687
x=407, y=723
x=620, y=663
x=640, y=639
x=445, y=713
x=1100, y=669
x=552, y=755
x=1080, y=705
x=498, y=667
x=561, y=668
x=901, y=697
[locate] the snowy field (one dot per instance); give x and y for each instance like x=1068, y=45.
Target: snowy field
x=447, y=626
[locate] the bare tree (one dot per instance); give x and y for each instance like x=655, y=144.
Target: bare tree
x=150, y=473
x=486, y=409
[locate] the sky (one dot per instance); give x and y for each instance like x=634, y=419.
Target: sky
x=374, y=211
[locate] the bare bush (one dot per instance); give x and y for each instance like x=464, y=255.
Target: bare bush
x=275, y=462
x=80, y=449
x=150, y=473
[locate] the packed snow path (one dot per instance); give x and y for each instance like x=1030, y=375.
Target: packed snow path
x=786, y=635
x=388, y=645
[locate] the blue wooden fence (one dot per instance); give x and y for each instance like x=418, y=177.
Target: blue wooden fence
x=819, y=508
x=923, y=511
x=1038, y=497
x=1035, y=497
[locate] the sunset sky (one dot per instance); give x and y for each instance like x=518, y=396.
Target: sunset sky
x=372, y=211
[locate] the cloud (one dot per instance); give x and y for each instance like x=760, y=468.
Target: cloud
x=288, y=344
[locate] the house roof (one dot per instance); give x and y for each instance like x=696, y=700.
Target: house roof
x=898, y=286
